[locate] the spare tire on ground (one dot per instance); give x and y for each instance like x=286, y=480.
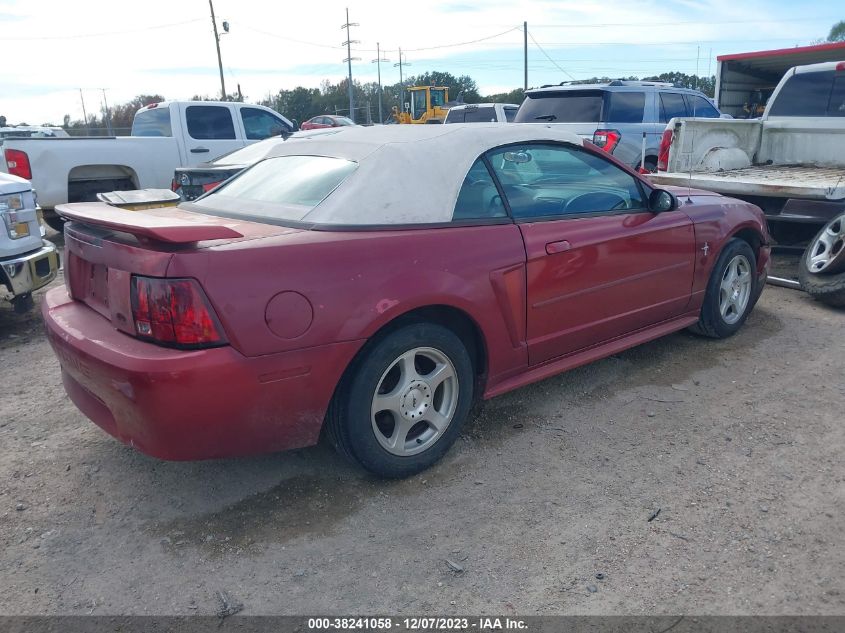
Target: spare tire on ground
x=821, y=270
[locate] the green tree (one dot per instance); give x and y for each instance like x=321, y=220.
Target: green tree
x=462, y=86
x=837, y=32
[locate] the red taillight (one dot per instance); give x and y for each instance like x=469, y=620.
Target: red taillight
x=174, y=186
x=174, y=312
x=18, y=163
x=663, y=154
x=840, y=66
x=607, y=139
x=210, y=185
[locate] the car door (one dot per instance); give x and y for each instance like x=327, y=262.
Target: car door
x=600, y=265
x=210, y=132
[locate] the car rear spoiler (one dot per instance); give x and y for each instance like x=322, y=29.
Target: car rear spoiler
x=170, y=225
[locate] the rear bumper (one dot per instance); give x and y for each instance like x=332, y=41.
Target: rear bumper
x=186, y=405
x=31, y=271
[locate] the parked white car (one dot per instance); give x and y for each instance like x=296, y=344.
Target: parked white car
x=164, y=136
x=27, y=262
x=482, y=113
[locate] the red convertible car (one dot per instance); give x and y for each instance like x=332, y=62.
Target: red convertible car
x=373, y=283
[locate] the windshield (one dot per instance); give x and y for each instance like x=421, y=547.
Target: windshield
x=249, y=154
x=280, y=188
x=342, y=120
x=566, y=106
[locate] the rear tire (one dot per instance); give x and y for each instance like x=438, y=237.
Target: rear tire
x=403, y=403
x=820, y=270
x=731, y=292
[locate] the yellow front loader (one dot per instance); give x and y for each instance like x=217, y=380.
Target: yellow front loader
x=427, y=104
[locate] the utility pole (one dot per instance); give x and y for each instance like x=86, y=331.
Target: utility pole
x=108, y=113
x=377, y=61
x=401, y=82
x=525, y=51
x=217, y=43
x=348, y=44
x=84, y=113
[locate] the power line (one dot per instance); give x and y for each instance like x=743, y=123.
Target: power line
x=542, y=50
x=102, y=34
x=481, y=39
x=717, y=22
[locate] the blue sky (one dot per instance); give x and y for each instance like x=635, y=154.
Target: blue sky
x=168, y=47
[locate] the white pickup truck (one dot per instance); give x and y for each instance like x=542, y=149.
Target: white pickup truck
x=164, y=136
x=27, y=262
x=789, y=162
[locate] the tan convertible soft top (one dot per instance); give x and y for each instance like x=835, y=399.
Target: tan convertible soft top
x=407, y=174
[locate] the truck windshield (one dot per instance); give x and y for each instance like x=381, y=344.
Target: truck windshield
x=154, y=122
x=566, y=106
x=280, y=188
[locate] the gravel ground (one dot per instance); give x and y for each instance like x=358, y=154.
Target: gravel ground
x=683, y=476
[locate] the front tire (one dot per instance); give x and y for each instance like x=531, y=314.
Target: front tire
x=404, y=402
x=731, y=292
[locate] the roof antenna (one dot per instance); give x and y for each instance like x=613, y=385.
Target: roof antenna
x=692, y=142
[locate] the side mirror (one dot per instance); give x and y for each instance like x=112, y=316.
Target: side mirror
x=660, y=200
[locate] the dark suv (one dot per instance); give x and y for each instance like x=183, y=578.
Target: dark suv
x=616, y=116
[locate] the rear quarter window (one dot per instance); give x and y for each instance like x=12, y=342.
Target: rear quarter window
x=571, y=106
x=624, y=107
x=804, y=94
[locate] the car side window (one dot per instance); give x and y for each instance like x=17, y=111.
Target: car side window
x=259, y=124
x=671, y=105
x=698, y=106
x=207, y=122
x=624, y=107
x=478, y=197
x=510, y=113
x=550, y=181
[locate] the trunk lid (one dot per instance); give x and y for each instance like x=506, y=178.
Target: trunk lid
x=105, y=246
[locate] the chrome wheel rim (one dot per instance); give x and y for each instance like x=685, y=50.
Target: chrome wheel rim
x=826, y=251
x=735, y=289
x=415, y=401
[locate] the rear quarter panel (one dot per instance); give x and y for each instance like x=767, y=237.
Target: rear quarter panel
x=355, y=282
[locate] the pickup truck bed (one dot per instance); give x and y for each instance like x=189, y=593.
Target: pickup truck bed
x=794, y=181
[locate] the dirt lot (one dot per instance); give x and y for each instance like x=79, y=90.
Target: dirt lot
x=544, y=504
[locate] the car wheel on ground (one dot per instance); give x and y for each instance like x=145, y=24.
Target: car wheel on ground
x=821, y=270
x=731, y=291
x=403, y=403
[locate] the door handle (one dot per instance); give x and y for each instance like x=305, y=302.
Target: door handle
x=557, y=247
x=199, y=150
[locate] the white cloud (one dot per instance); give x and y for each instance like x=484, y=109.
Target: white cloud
x=128, y=51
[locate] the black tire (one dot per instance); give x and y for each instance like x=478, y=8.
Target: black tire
x=55, y=222
x=710, y=322
x=349, y=422
x=827, y=287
